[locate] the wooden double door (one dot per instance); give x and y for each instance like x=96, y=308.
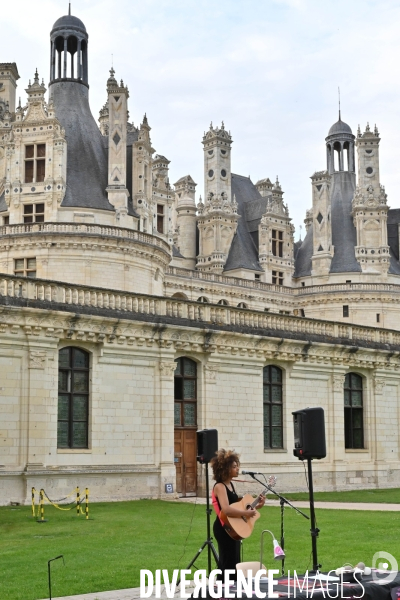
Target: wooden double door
x=185, y=449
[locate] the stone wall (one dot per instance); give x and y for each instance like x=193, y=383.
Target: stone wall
x=133, y=341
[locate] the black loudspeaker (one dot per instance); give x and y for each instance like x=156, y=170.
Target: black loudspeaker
x=309, y=433
x=207, y=445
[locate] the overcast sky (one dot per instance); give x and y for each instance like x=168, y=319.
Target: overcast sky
x=269, y=68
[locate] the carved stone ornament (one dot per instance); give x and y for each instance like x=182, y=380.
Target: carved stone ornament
x=211, y=373
x=379, y=385
x=37, y=359
x=338, y=383
x=167, y=369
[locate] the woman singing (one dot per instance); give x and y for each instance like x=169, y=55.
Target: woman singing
x=225, y=466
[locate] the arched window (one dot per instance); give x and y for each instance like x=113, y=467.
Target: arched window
x=185, y=393
x=73, y=398
x=242, y=305
x=353, y=411
x=202, y=299
x=223, y=302
x=273, y=405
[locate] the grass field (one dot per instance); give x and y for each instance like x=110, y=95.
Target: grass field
x=108, y=552
x=387, y=496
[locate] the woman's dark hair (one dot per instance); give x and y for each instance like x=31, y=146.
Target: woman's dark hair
x=222, y=462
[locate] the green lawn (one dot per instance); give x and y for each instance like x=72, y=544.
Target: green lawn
x=108, y=552
x=388, y=496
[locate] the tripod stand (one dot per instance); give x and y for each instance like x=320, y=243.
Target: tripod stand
x=208, y=543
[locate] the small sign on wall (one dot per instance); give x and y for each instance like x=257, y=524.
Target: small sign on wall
x=169, y=488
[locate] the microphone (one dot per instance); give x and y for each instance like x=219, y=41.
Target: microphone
x=251, y=473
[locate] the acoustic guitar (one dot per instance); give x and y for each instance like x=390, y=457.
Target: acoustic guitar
x=240, y=528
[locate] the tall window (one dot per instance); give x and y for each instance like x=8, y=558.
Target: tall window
x=185, y=393
x=160, y=218
x=35, y=163
x=353, y=411
x=73, y=398
x=273, y=404
x=277, y=242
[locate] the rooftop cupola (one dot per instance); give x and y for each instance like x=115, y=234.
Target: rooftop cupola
x=68, y=55
x=340, y=148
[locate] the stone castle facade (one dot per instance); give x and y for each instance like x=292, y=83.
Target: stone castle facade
x=133, y=314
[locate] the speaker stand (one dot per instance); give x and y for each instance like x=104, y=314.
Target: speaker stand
x=314, y=530
x=208, y=542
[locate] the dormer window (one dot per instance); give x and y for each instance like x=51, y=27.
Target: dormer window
x=277, y=243
x=160, y=218
x=35, y=163
x=34, y=213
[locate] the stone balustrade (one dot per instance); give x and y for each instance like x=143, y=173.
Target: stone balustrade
x=299, y=291
x=74, y=296
x=237, y=281
x=347, y=287
x=84, y=228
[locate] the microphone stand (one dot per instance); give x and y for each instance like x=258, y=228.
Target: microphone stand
x=282, y=502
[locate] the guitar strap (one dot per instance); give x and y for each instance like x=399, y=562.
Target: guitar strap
x=216, y=506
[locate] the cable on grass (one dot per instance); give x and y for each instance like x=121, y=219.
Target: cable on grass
x=190, y=529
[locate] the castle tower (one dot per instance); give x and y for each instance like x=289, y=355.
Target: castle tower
x=217, y=162
x=340, y=148
x=185, y=206
x=163, y=199
x=87, y=164
x=370, y=206
x=104, y=123
x=264, y=186
x=322, y=238
x=218, y=217
x=142, y=178
x=334, y=235
x=117, y=136
x=8, y=85
x=68, y=57
x=275, y=234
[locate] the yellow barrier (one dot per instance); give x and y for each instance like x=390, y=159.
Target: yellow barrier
x=33, y=502
x=43, y=497
x=42, y=519
x=87, y=503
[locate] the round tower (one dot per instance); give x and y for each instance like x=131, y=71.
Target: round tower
x=340, y=148
x=69, y=50
x=186, y=219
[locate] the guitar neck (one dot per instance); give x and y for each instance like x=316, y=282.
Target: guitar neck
x=263, y=493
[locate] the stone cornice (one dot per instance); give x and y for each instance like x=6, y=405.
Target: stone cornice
x=46, y=312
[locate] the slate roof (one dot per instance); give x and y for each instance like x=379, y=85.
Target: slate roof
x=393, y=239
x=176, y=253
x=393, y=221
x=68, y=21
x=243, y=253
x=303, y=256
x=87, y=160
x=3, y=204
x=344, y=235
x=339, y=127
